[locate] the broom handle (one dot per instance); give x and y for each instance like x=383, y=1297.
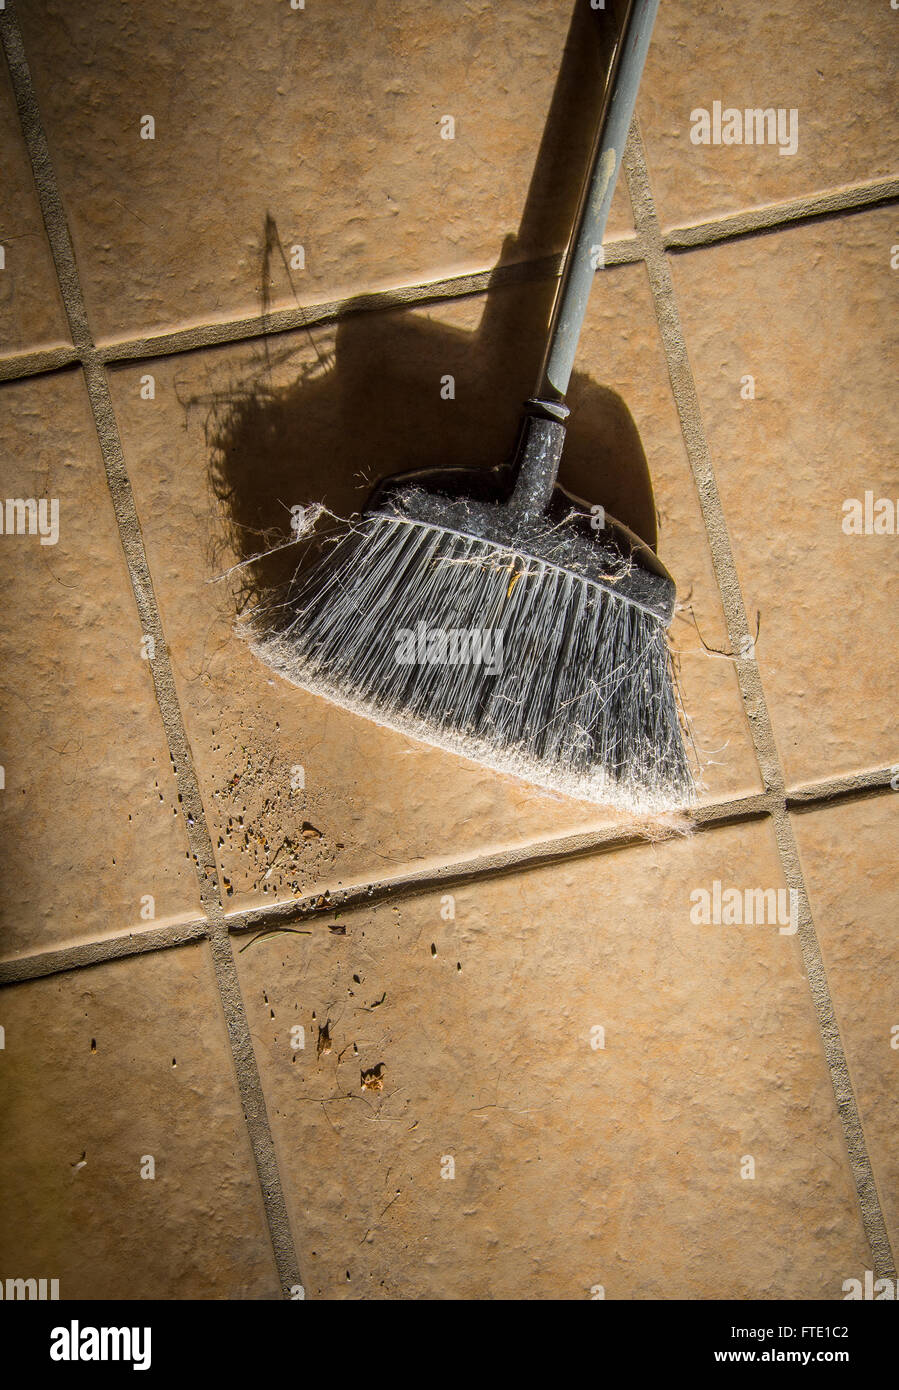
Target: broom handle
x=585, y=246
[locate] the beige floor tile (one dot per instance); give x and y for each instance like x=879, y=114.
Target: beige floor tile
x=581, y=1158
x=231, y=442
x=836, y=69
x=89, y=812
x=848, y=853
x=103, y=1070
x=810, y=314
x=315, y=128
x=31, y=312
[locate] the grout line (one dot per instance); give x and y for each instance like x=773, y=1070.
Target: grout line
x=332, y=311
x=558, y=850
x=848, y=788
x=37, y=363
x=622, y=251
x=246, y=1071
x=625, y=251
x=111, y=449
x=100, y=952
x=520, y=859
x=834, y=1051
x=683, y=387
x=775, y=216
x=255, y=1111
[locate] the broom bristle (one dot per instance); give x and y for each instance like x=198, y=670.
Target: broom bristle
x=503, y=658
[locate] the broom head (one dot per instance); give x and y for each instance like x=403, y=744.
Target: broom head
x=506, y=621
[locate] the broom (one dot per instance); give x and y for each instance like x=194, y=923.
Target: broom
x=489, y=613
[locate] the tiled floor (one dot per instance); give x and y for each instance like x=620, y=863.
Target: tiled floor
x=90, y=802
x=378, y=195
x=574, y=1164
x=839, y=78
x=818, y=432
x=31, y=308
x=131, y=1174
x=387, y=1024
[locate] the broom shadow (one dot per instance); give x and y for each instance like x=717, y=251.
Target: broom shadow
x=370, y=401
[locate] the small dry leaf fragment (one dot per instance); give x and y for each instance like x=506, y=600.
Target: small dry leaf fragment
x=373, y=1079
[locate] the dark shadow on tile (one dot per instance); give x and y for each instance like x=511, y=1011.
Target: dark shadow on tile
x=373, y=402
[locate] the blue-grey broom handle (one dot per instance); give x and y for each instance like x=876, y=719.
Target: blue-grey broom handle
x=585, y=247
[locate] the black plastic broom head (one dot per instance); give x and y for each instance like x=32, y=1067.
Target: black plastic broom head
x=488, y=613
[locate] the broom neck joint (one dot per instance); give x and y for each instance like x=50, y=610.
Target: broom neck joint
x=537, y=456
